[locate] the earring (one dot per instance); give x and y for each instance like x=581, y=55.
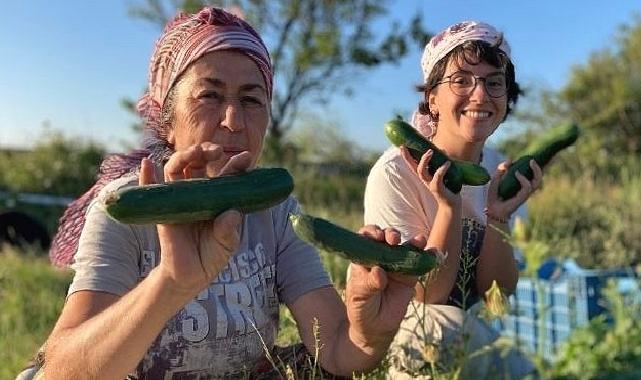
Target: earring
x=432, y=125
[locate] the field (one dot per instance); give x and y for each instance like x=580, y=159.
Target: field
x=569, y=222
x=32, y=294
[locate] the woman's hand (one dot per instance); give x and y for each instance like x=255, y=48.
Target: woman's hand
x=193, y=254
x=503, y=209
x=376, y=301
x=433, y=183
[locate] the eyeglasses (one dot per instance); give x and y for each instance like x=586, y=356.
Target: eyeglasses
x=463, y=83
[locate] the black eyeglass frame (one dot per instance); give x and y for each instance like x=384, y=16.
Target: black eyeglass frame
x=448, y=79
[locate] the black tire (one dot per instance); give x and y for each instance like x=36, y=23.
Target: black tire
x=18, y=229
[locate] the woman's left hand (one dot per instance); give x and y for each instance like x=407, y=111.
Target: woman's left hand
x=376, y=300
x=503, y=209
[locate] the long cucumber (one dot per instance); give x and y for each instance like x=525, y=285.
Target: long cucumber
x=401, y=133
x=359, y=249
x=192, y=200
x=542, y=151
x=473, y=174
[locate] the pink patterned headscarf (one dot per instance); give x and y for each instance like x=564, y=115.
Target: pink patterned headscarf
x=184, y=40
x=443, y=43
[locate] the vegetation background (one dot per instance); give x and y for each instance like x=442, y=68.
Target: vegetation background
x=588, y=209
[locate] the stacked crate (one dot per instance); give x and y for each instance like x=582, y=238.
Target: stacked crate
x=545, y=311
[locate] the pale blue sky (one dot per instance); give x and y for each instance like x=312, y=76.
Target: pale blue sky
x=70, y=62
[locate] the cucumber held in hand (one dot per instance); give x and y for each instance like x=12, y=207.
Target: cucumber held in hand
x=460, y=172
x=544, y=149
x=197, y=199
x=361, y=250
x=473, y=174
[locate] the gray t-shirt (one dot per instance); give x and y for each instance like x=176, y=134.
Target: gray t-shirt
x=221, y=332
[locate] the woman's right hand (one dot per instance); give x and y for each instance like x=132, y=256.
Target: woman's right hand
x=193, y=254
x=435, y=184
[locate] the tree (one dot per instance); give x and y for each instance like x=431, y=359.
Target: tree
x=604, y=97
x=317, y=46
x=588, y=206
x=605, y=94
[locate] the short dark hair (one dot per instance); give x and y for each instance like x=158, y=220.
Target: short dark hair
x=472, y=52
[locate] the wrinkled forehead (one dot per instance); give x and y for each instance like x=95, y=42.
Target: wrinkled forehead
x=191, y=39
x=225, y=69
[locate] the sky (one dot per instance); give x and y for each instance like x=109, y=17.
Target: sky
x=68, y=64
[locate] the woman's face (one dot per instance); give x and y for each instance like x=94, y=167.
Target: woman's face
x=221, y=98
x=470, y=118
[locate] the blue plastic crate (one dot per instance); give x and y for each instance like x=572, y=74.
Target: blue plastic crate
x=544, y=312
x=560, y=318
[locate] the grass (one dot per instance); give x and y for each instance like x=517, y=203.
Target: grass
x=32, y=294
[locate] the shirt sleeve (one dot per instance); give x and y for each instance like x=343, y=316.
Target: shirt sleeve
x=107, y=256
x=298, y=265
x=392, y=199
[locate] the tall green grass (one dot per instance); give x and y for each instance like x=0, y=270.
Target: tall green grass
x=32, y=293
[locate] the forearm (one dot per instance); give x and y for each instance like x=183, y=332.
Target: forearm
x=112, y=343
x=446, y=237
x=496, y=260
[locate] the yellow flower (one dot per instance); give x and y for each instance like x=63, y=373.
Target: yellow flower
x=496, y=302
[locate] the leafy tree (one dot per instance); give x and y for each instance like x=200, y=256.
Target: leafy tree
x=317, y=46
x=605, y=94
x=604, y=97
x=587, y=209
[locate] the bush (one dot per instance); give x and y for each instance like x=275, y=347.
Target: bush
x=592, y=219
x=604, y=350
x=57, y=165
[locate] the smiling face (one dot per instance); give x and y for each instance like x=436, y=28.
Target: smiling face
x=221, y=98
x=468, y=119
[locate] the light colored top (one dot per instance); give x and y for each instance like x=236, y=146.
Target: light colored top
x=221, y=332
x=395, y=197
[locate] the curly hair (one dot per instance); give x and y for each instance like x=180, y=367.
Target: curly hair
x=472, y=52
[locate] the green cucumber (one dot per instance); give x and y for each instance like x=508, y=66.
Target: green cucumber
x=400, y=133
x=197, y=199
x=559, y=139
x=460, y=172
x=542, y=150
x=361, y=250
x=473, y=174
x=510, y=185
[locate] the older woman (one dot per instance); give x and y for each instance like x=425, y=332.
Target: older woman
x=202, y=299
x=469, y=88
